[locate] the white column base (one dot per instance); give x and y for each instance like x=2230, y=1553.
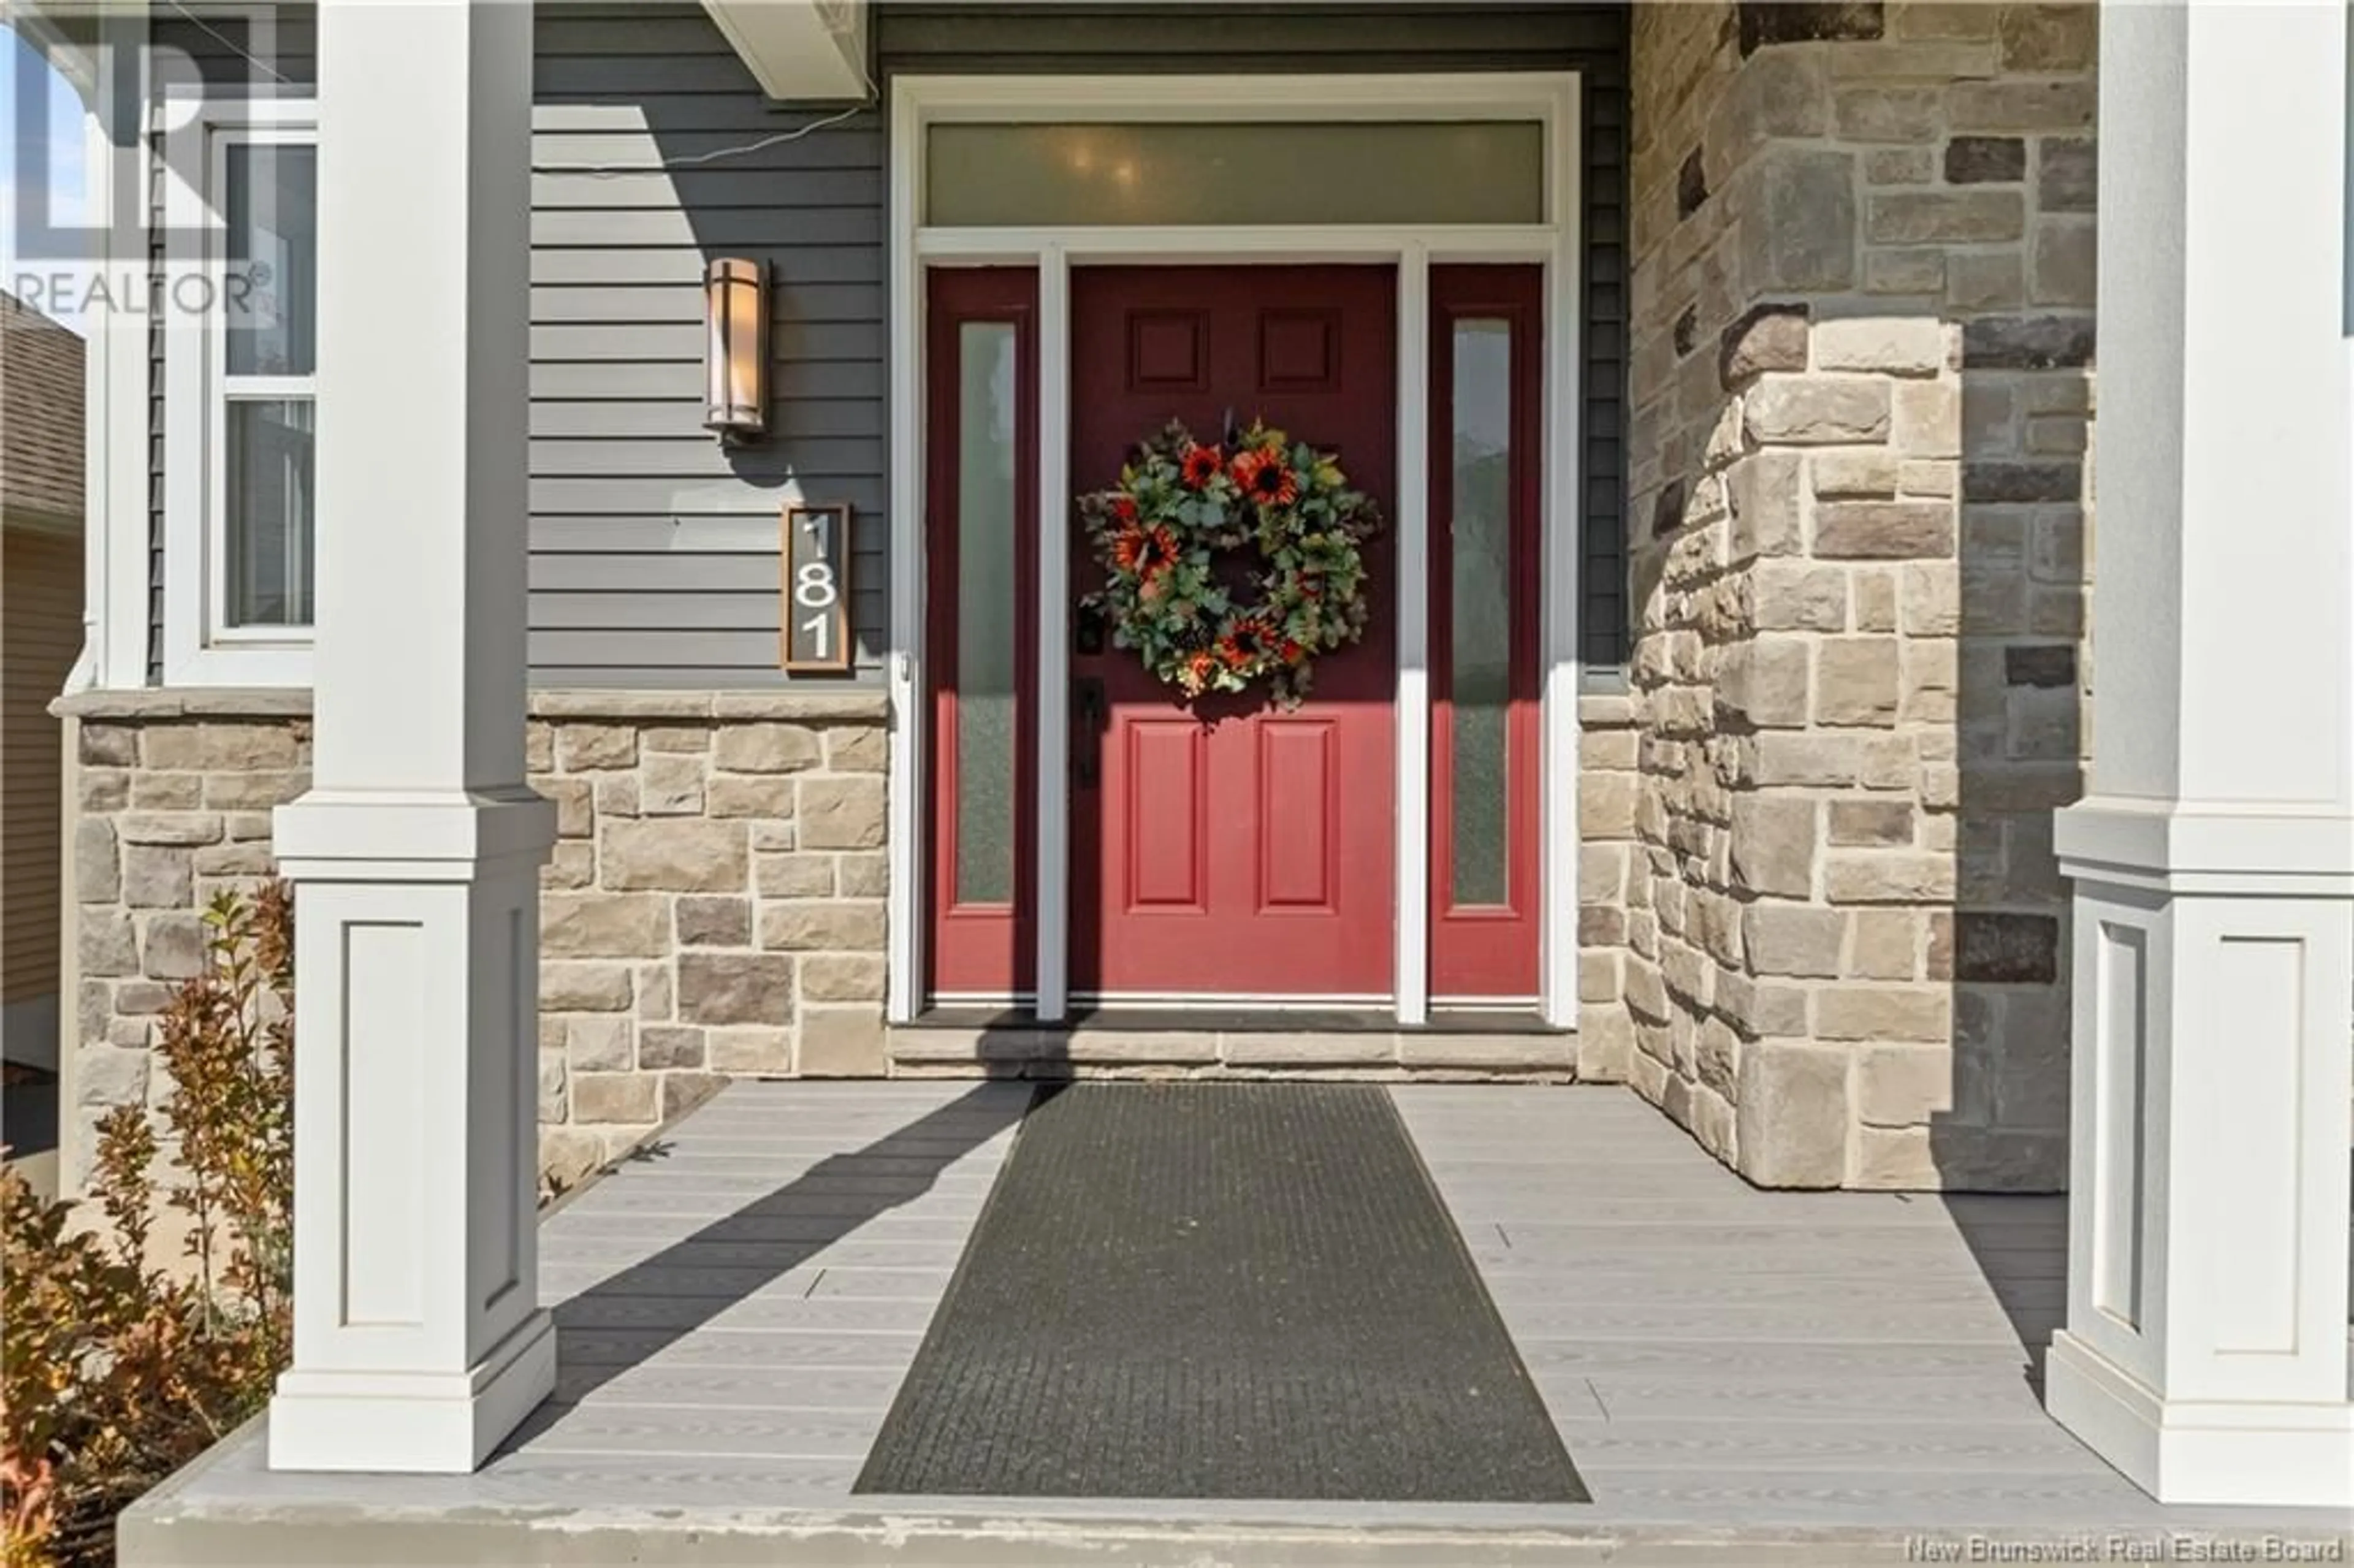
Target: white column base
x=419, y=1340
x=2206, y=1351
x=2259, y=1453
x=412, y=1423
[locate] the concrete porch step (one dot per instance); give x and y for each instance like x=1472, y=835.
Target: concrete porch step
x=1175, y=1042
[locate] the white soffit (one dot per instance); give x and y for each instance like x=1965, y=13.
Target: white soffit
x=799, y=50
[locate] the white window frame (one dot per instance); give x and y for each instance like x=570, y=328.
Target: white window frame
x=200, y=648
x=1551, y=98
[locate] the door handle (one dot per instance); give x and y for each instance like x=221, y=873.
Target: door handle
x=1088, y=712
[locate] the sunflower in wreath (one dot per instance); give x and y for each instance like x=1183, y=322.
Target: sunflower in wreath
x=1232, y=563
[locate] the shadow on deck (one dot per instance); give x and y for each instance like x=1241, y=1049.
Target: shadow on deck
x=1740, y=1375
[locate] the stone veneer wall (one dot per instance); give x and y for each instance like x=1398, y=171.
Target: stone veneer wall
x=714, y=905
x=1863, y=325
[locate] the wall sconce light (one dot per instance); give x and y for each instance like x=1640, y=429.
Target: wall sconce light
x=736, y=348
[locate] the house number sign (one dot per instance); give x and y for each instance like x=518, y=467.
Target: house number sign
x=817, y=588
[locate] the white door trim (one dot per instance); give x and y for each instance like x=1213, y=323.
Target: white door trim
x=1411, y=965
x=1050, y=894
x=1551, y=98
x=1559, y=628
x=910, y=892
x=1372, y=96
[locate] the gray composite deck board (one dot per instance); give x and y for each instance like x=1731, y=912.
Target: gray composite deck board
x=1720, y=1363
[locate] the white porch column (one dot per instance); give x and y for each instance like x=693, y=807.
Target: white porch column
x=418, y=1340
x=2206, y=1353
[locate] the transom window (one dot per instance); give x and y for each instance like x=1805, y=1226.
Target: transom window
x=983, y=173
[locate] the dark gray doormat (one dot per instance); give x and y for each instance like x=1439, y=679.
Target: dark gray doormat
x=1218, y=1290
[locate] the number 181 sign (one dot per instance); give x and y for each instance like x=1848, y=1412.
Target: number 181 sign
x=817, y=588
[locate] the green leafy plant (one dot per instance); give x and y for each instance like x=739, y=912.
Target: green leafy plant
x=115, y=1370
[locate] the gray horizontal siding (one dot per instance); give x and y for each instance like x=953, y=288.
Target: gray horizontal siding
x=564, y=106
x=624, y=381
x=680, y=342
x=853, y=144
x=755, y=228
x=647, y=657
x=805, y=263
x=270, y=48
x=750, y=606
x=1223, y=38
x=860, y=419
x=654, y=549
x=668, y=457
x=741, y=571
x=671, y=503
x=1602, y=579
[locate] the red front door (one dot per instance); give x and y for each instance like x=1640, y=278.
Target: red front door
x=1226, y=847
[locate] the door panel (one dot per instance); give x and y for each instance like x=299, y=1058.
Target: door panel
x=1225, y=848
x=1297, y=814
x=1167, y=788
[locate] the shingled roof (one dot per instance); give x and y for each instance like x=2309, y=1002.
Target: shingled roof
x=40, y=415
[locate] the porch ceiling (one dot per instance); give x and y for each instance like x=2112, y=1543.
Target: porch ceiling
x=1741, y=1376
x=799, y=50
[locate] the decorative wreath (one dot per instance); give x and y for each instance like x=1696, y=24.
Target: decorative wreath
x=1221, y=570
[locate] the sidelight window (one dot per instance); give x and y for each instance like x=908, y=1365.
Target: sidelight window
x=1486, y=475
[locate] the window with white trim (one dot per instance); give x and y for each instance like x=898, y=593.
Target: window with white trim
x=268, y=361
x=240, y=393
